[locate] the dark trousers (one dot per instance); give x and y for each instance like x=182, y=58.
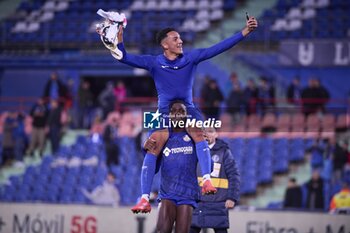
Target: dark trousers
x=8, y=154
x=55, y=136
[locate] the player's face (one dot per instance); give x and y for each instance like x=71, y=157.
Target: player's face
x=178, y=112
x=173, y=43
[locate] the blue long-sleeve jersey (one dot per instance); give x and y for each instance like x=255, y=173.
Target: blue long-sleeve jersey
x=174, y=79
x=178, y=169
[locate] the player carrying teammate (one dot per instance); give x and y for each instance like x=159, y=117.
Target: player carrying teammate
x=173, y=74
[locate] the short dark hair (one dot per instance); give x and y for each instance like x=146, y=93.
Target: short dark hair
x=292, y=179
x=177, y=101
x=163, y=34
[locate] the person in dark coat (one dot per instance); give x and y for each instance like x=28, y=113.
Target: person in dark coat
x=250, y=97
x=85, y=105
x=340, y=157
x=212, y=211
x=294, y=92
x=55, y=125
x=293, y=196
x=55, y=89
x=235, y=102
x=308, y=95
x=266, y=95
x=8, y=139
x=39, y=113
x=107, y=99
x=322, y=94
x=314, y=97
x=111, y=146
x=315, y=196
x=212, y=99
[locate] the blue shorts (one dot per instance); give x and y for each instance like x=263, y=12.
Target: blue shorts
x=179, y=202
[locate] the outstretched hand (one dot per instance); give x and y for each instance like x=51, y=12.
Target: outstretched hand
x=251, y=25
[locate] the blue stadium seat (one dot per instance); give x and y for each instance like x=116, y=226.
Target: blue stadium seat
x=275, y=205
x=15, y=181
x=28, y=179
x=264, y=175
x=297, y=150
x=316, y=159
x=248, y=186
x=56, y=179
x=38, y=193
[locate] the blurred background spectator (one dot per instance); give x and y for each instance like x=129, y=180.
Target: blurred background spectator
x=105, y=194
x=39, y=114
x=293, y=195
x=315, y=197
x=212, y=98
x=107, y=99
x=85, y=105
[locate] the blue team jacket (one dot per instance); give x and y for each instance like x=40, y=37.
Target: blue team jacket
x=211, y=211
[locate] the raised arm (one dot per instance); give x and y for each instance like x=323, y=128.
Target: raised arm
x=139, y=61
x=206, y=53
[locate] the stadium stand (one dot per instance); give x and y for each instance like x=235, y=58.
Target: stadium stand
x=70, y=24
x=60, y=178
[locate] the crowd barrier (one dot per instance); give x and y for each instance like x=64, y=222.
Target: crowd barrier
x=40, y=218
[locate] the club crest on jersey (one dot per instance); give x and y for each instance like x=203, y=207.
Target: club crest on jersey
x=186, y=138
x=215, y=158
x=166, y=151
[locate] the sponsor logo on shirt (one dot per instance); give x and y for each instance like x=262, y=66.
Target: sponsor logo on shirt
x=184, y=149
x=166, y=151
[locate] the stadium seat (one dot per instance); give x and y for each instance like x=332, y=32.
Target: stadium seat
x=342, y=123
x=313, y=123
x=253, y=123
x=298, y=122
x=269, y=123
x=297, y=150
x=248, y=187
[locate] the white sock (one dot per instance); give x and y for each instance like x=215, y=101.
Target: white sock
x=206, y=177
x=145, y=196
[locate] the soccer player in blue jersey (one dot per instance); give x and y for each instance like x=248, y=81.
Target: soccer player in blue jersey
x=173, y=74
x=179, y=191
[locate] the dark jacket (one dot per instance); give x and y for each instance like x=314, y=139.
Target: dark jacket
x=340, y=158
x=39, y=113
x=293, y=198
x=211, y=211
x=54, y=118
x=235, y=101
x=293, y=94
x=86, y=98
x=62, y=89
x=315, y=197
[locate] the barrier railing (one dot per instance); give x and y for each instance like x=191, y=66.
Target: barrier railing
x=24, y=103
